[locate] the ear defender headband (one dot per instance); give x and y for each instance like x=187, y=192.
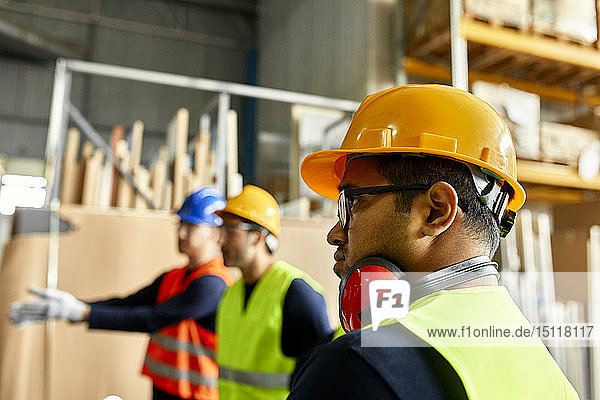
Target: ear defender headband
x=354, y=303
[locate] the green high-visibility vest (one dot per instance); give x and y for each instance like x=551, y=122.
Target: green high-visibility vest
x=251, y=362
x=338, y=332
x=488, y=372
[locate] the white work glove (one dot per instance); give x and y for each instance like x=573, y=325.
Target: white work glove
x=50, y=304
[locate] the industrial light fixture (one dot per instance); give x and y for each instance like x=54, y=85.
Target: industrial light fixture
x=21, y=191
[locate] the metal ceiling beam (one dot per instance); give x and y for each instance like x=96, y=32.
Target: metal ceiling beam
x=244, y=7
x=19, y=40
x=123, y=25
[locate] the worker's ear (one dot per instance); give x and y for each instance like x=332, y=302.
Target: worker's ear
x=437, y=208
x=256, y=238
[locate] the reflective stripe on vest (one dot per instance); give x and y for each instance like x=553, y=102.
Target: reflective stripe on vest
x=170, y=372
x=255, y=378
x=173, y=344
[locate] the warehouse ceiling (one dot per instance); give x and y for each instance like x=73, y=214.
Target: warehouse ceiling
x=19, y=40
x=23, y=42
x=239, y=6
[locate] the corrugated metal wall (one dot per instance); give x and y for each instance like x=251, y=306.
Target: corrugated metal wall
x=335, y=48
x=170, y=36
x=314, y=46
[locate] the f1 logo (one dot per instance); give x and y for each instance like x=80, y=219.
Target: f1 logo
x=388, y=299
x=396, y=296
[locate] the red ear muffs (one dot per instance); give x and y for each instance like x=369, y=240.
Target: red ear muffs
x=354, y=290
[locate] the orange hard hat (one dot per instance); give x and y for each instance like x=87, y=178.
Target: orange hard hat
x=431, y=120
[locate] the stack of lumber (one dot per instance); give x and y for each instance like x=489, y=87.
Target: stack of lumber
x=180, y=167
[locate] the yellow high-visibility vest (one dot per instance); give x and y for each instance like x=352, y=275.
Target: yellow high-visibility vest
x=251, y=362
x=487, y=372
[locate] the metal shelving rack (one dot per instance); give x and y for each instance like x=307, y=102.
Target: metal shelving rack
x=551, y=67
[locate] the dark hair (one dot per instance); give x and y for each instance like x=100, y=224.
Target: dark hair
x=427, y=170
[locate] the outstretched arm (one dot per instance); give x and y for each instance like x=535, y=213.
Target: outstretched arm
x=199, y=301
x=52, y=304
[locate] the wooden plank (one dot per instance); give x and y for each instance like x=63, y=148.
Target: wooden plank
x=188, y=182
x=87, y=150
x=201, y=155
x=180, y=169
x=70, y=182
x=106, y=184
x=181, y=130
x=137, y=134
x=179, y=162
x=124, y=190
x=91, y=178
x=159, y=177
x=168, y=195
x=118, y=133
x=141, y=177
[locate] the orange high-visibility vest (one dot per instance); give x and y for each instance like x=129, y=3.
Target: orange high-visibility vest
x=180, y=358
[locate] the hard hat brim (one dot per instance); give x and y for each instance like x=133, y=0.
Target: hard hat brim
x=211, y=220
x=322, y=171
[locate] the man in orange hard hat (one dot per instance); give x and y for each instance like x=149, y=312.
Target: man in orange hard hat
x=271, y=317
x=426, y=185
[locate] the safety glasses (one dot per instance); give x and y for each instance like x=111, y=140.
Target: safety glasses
x=229, y=229
x=347, y=197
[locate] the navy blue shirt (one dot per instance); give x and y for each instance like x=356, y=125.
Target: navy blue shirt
x=305, y=323
x=347, y=369
x=139, y=312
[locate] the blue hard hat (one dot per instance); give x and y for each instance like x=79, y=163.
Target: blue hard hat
x=200, y=206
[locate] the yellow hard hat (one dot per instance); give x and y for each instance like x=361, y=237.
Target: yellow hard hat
x=257, y=205
x=435, y=120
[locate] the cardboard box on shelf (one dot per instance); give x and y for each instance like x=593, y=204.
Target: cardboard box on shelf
x=506, y=12
x=576, y=20
x=564, y=143
x=521, y=112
